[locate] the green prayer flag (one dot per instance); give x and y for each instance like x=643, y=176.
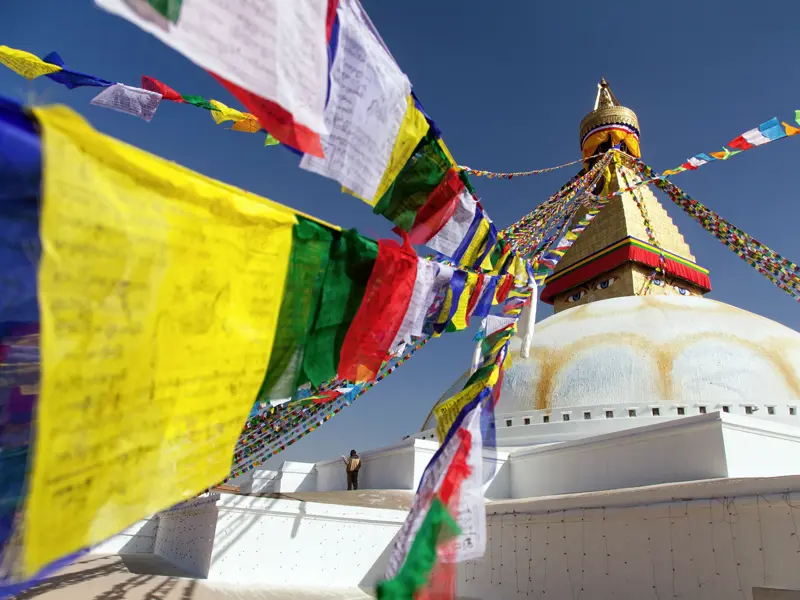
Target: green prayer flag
x=418, y=178
x=415, y=573
x=311, y=246
x=349, y=268
x=270, y=141
x=198, y=101
x=169, y=9
x=797, y=116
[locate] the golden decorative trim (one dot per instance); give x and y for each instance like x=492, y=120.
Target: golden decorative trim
x=608, y=116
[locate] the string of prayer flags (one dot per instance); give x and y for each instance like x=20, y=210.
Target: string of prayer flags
x=167, y=93
x=386, y=300
x=779, y=270
x=197, y=101
x=451, y=235
x=196, y=368
x=494, y=175
x=363, y=119
x=129, y=100
x=277, y=66
x=26, y=64
x=438, y=208
x=70, y=78
x=767, y=132
x=421, y=299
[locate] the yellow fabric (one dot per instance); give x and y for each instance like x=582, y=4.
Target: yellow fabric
x=159, y=292
x=460, y=316
x=501, y=260
x=412, y=130
x=222, y=113
x=26, y=64
x=616, y=136
x=447, y=152
x=472, y=252
x=789, y=129
x=448, y=410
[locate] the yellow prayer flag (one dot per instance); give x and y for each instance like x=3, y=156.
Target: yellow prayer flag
x=460, y=316
x=26, y=64
x=159, y=292
x=222, y=113
x=448, y=410
x=472, y=252
x=447, y=152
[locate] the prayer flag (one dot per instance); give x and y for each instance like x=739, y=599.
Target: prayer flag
x=167, y=93
x=311, y=246
x=72, y=79
x=26, y=64
x=449, y=237
x=382, y=311
x=197, y=101
x=790, y=130
x=421, y=299
x=438, y=209
x=797, y=116
x=363, y=120
x=410, y=190
x=136, y=387
x=251, y=125
x=277, y=120
x=130, y=100
x=169, y=9
x=349, y=269
x=280, y=57
x=221, y=113
x=772, y=129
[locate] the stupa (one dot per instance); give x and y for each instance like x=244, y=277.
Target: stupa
x=648, y=446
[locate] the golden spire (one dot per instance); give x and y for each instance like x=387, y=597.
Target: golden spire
x=607, y=111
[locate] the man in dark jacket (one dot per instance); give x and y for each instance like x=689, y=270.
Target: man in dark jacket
x=352, y=465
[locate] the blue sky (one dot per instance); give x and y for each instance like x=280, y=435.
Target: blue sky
x=508, y=83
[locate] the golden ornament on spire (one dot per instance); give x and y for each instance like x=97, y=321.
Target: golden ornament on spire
x=609, y=122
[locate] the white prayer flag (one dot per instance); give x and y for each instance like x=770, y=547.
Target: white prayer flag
x=130, y=100
x=421, y=299
x=367, y=103
x=275, y=49
x=452, y=234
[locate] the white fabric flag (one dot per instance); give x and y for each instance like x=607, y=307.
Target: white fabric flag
x=755, y=137
x=452, y=234
x=421, y=299
x=471, y=518
x=368, y=100
x=496, y=323
x=130, y=100
x=527, y=323
x=275, y=49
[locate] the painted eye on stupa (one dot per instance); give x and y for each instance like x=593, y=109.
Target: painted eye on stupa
x=683, y=291
x=576, y=296
x=658, y=282
x=605, y=284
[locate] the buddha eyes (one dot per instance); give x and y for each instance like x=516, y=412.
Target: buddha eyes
x=658, y=282
x=683, y=291
x=576, y=296
x=605, y=284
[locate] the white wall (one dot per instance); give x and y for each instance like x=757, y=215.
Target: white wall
x=771, y=449
x=186, y=535
x=291, y=543
x=703, y=549
x=139, y=538
x=684, y=450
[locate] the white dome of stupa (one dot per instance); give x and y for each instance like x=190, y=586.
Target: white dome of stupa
x=635, y=349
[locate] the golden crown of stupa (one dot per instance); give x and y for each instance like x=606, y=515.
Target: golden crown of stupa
x=607, y=111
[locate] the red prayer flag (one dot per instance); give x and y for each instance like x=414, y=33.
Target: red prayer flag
x=438, y=209
x=278, y=121
x=331, y=17
x=154, y=85
x=504, y=288
x=385, y=302
x=740, y=144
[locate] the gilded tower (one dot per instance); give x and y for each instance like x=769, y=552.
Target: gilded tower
x=632, y=247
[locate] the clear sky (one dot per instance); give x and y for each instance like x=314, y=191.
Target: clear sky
x=508, y=83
